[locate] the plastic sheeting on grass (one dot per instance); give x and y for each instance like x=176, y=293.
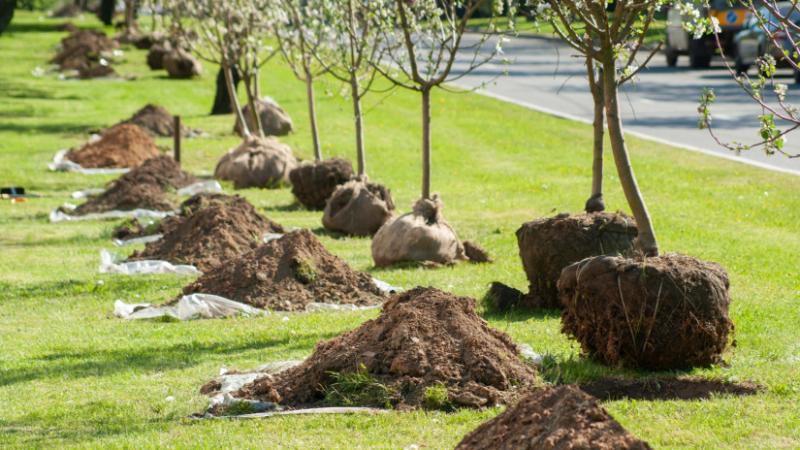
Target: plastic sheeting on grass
x=207, y=186
x=57, y=215
x=137, y=240
x=61, y=164
x=147, y=267
x=189, y=307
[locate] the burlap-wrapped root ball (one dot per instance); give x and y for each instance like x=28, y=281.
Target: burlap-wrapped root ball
x=313, y=183
x=257, y=162
x=358, y=208
x=181, y=64
x=548, y=245
x=156, y=54
x=660, y=313
x=274, y=120
x=421, y=235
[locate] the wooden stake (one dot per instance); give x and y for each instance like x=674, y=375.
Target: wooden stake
x=177, y=139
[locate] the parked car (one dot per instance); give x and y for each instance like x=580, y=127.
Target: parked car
x=753, y=43
x=700, y=51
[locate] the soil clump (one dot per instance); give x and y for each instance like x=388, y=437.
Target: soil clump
x=548, y=245
x=86, y=51
x=156, y=54
x=274, y=120
x=257, y=162
x=313, y=183
x=145, y=187
x=658, y=313
x=287, y=274
x=553, y=418
x=121, y=146
x=427, y=347
x=211, y=229
x=358, y=208
x=666, y=388
x=419, y=236
x=157, y=120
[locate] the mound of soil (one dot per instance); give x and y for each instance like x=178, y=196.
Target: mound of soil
x=181, y=64
x=502, y=298
x=156, y=54
x=155, y=119
x=424, y=338
x=313, y=183
x=358, y=208
x=287, y=274
x=422, y=236
x=86, y=51
x=121, y=146
x=274, y=120
x=211, y=229
x=66, y=10
x=553, y=418
x=547, y=246
x=666, y=388
x=127, y=197
x=257, y=162
x=659, y=313
x=143, y=187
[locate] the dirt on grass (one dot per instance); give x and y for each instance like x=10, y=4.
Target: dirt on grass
x=145, y=187
x=313, y=183
x=287, y=274
x=547, y=246
x=156, y=54
x=666, y=388
x=86, y=51
x=428, y=348
x=358, y=208
x=553, y=418
x=275, y=121
x=121, y=146
x=657, y=313
x=211, y=229
x=155, y=119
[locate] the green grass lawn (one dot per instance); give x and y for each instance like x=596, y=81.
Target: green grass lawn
x=72, y=375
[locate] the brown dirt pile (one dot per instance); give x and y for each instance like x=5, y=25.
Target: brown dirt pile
x=210, y=230
x=120, y=146
x=144, y=187
x=287, y=274
x=155, y=119
x=181, y=64
x=547, y=246
x=358, y=208
x=156, y=54
x=660, y=313
x=313, y=183
x=666, y=388
x=66, y=10
x=424, y=338
x=557, y=418
x=86, y=51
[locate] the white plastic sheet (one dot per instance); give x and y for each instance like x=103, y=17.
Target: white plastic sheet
x=189, y=307
x=207, y=186
x=61, y=164
x=146, y=267
x=138, y=240
x=57, y=215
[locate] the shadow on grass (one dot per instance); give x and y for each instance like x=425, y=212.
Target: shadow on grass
x=31, y=27
x=94, y=363
x=47, y=128
x=285, y=208
x=322, y=231
x=520, y=314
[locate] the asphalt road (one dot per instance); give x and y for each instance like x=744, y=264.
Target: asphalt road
x=661, y=105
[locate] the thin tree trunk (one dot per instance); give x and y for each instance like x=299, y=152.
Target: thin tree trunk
x=257, y=82
x=312, y=114
x=595, y=202
x=646, y=241
x=426, y=143
x=251, y=100
x=359, y=118
x=237, y=109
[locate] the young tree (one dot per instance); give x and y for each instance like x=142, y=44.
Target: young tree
x=421, y=50
x=780, y=23
x=301, y=31
x=613, y=41
x=352, y=56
